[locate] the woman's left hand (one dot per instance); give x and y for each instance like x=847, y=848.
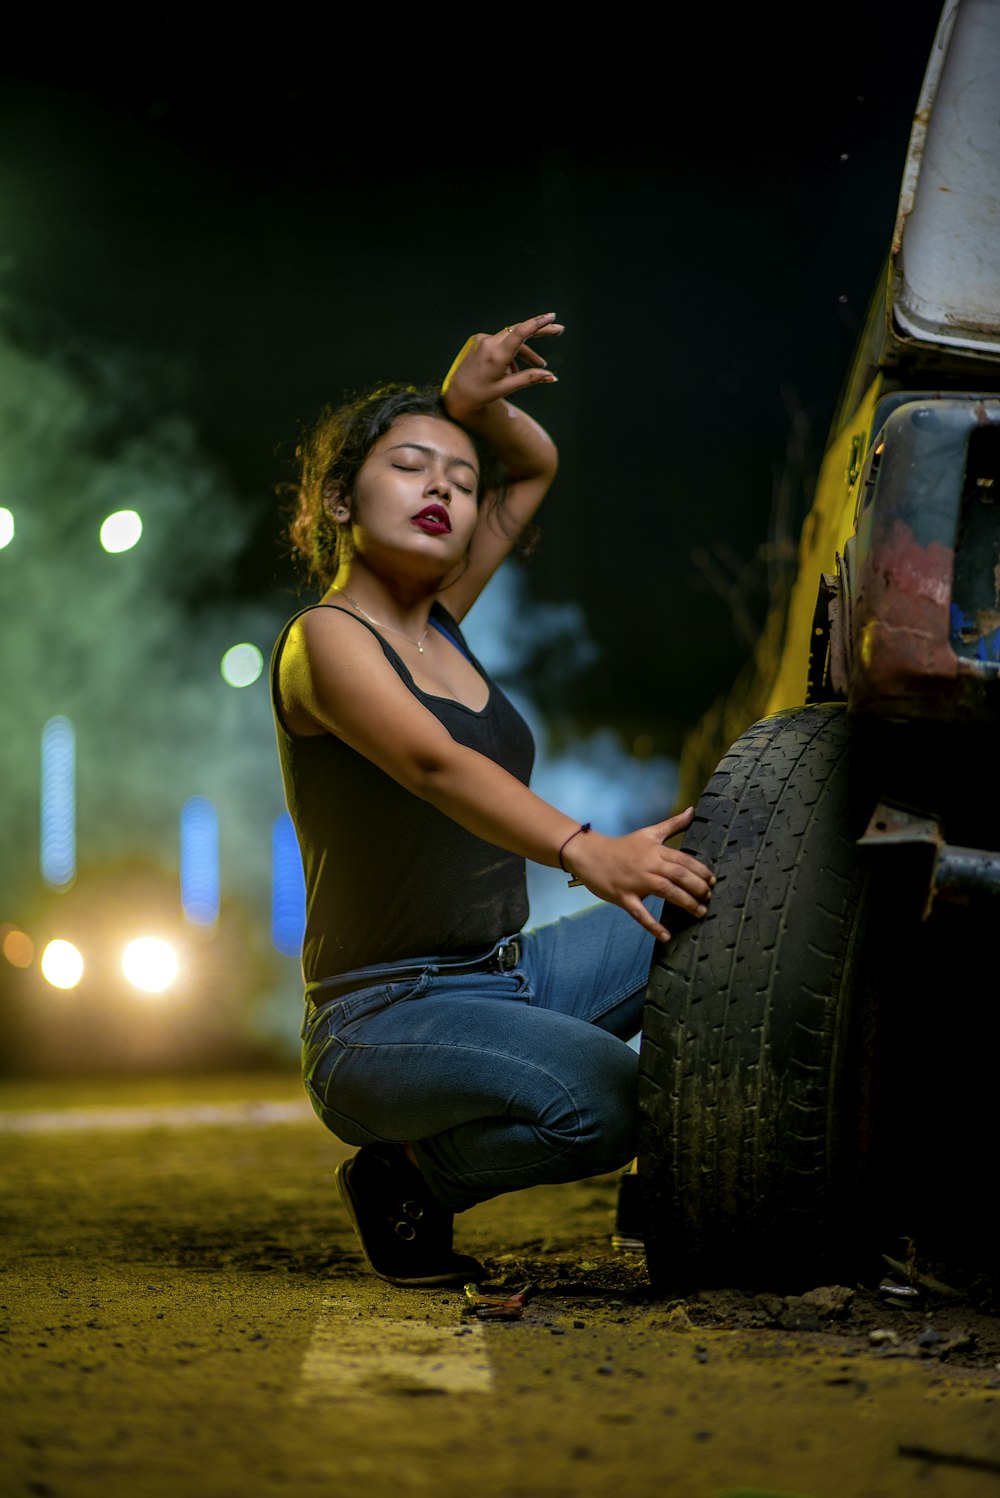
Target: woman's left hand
x=488, y=367
x=624, y=870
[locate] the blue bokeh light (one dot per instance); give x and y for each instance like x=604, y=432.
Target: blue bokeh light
x=200, y=861
x=288, y=889
x=58, y=803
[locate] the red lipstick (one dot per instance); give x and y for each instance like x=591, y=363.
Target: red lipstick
x=433, y=520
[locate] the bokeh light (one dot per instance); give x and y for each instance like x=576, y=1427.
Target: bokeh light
x=6, y=526
x=18, y=948
x=200, y=861
x=62, y=964
x=150, y=964
x=58, y=809
x=121, y=531
x=241, y=665
x=288, y=889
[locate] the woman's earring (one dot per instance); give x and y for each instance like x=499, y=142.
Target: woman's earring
x=338, y=509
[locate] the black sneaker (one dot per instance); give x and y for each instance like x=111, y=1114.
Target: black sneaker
x=629, y=1215
x=405, y=1234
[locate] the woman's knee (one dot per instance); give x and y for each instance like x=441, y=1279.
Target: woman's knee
x=600, y=1115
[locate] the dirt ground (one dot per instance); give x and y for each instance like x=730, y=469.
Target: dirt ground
x=185, y=1308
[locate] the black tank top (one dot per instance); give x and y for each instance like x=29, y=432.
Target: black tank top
x=387, y=875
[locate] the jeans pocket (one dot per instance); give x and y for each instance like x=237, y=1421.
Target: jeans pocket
x=319, y=1055
x=335, y=1025
x=334, y=1032
x=320, y=1063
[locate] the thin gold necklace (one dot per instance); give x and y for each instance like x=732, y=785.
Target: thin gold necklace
x=419, y=643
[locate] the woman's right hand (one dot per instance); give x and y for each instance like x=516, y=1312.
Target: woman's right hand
x=625, y=870
x=487, y=368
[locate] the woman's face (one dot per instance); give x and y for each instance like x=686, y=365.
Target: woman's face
x=416, y=495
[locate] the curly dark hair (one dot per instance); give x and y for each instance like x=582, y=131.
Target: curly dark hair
x=331, y=454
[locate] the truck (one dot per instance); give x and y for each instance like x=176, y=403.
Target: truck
x=816, y=1071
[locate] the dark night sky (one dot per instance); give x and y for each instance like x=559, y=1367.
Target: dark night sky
x=257, y=232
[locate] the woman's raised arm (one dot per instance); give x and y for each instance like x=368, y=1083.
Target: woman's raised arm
x=475, y=390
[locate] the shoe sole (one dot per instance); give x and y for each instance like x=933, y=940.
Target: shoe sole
x=628, y=1242
x=457, y=1277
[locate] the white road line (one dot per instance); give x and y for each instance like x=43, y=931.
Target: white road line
x=168, y=1115
x=375, y=1356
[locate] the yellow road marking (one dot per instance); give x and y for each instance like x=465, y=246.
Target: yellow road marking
x=373, y=1356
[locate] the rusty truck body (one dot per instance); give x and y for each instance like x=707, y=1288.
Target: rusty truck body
x=816, y=1061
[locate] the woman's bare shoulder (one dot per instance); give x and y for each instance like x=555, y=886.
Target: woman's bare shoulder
x=322, y=653
x=328, y=625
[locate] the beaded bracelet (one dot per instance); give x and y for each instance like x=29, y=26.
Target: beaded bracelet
x=572, y=883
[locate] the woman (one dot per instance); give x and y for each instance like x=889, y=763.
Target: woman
x=462, y=1055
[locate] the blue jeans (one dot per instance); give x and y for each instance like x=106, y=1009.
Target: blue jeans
x=498, y=1080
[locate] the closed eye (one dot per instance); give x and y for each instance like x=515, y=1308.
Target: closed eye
x=418, y=468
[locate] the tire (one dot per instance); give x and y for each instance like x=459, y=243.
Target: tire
x=757, y=1065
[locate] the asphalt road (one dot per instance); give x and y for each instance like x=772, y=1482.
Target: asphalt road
x=185, y=1310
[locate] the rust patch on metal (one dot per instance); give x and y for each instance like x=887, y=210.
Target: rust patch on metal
x=918, y=573
x=901, y=626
